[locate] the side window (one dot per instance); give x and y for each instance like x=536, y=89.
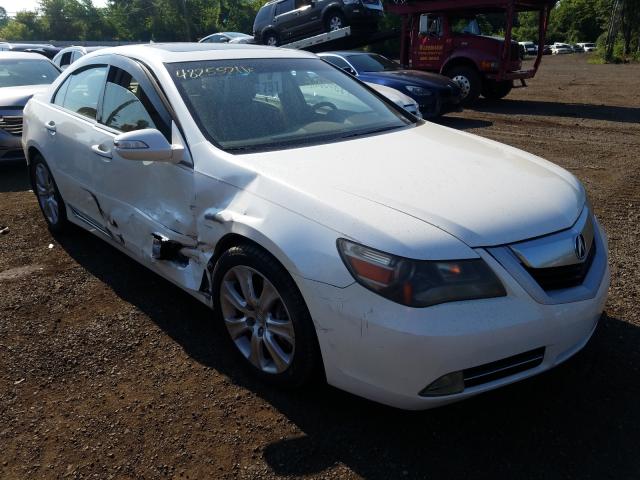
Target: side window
x=65, y=60
x=127, y=107
x=336, y=61
x=76, y=56
x=284, y=7
x=80, y=92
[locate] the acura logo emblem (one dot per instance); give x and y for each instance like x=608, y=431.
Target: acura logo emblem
x=581, y=248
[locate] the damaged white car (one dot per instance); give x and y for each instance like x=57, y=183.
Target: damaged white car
x=407, y=262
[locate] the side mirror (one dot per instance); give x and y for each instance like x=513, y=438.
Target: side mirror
x=350, y=71
x=148, y=145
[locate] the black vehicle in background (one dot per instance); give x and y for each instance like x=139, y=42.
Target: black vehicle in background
x=283, y=21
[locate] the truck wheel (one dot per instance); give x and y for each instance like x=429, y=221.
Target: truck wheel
x=334, y=21
x=469, y=81
x=270, y=38
x=492, y=90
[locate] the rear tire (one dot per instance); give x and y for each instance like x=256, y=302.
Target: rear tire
x=335, y=21
x=265, y=316
x=492, y=90
x=469, y=81
x=51, y=204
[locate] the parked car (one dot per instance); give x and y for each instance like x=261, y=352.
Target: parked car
x=399, y=98
x=68, y=55
x=44, y=49
x=435, y=93
x=547, y=50
x=226, y=37
x=22, y=75
x=283, y=21
x=411, y=263
x=561, y=48
x=587, y=47
x=530, y=48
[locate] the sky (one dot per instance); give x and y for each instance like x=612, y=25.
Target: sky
x=13, y=6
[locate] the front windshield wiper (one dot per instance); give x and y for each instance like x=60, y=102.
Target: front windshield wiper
x=372, y=132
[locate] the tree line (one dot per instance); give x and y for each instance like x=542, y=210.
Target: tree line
x=187, y=20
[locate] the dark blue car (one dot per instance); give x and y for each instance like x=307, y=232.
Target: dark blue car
x=436, y=94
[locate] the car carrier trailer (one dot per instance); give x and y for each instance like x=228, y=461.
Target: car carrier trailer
x=435, y=36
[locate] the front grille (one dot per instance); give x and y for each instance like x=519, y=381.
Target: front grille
x=506, y=367
x=12, y=125
x=569, y=276
x=515, y=52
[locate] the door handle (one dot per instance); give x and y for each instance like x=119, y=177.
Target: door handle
x=51, y=126
x=97, y=149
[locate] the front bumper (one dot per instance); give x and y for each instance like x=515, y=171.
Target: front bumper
x=10, y=147
x=389, y=353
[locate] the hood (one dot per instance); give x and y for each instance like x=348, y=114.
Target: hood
x=411, y=77
x=480, y=191
x=19, y=96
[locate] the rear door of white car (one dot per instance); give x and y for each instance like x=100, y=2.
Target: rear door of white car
x=70, y=122
x=141, y=199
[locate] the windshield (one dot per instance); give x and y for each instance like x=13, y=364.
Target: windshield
x=372, y=63
x=15, y=73
x=265, y=104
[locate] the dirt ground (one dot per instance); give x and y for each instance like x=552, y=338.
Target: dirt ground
x=107, y=371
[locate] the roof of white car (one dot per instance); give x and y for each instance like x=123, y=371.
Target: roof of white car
x=21, y=56
x=185, y=52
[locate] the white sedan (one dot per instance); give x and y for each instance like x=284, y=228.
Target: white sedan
x=409, y=263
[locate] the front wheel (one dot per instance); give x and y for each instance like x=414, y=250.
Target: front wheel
x=49, y=198
x=469, y=81
x=270, y=39
x=492, y=90
x=265, y=316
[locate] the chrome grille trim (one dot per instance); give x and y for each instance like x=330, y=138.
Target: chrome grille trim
x=11, y=124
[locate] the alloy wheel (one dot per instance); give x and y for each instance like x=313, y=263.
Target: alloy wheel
x=464, y=84
x=257, y=319
x=335, y=23
x=45, y=190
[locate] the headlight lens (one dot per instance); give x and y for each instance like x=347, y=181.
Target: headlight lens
x=423, y=92
x=419, y=283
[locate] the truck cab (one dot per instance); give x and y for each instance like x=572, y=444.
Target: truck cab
x=446, y=37
x=455, y=46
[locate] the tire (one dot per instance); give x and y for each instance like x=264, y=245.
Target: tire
x=271, y=39
x=492, y=90
x=469, y=81
x=51, y=204
x=273, y=332
x=334, y=21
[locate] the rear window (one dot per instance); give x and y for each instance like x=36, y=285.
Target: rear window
x=268, y=104
x=14, y=73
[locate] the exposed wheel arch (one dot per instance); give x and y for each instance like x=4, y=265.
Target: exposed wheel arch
x=458, y=62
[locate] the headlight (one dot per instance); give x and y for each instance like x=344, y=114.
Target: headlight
x=419, y=283
x=423, y=92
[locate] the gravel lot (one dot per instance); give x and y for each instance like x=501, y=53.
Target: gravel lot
x=108, y=371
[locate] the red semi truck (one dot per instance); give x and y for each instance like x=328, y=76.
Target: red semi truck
x=445, y=36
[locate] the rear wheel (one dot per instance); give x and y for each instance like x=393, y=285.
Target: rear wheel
x=469, y=81
x=493, y=90
x=49, y=198
x=334, y=21
x=265, y=316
